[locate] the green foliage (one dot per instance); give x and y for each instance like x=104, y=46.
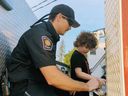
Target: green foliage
x=61, y=51
x=68, y=56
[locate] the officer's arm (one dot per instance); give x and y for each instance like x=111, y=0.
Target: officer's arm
x=58, y=79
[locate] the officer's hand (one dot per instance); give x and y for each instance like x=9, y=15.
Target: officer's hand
x=93, y=84
x=102, y=81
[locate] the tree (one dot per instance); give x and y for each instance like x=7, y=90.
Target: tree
x=61, y=51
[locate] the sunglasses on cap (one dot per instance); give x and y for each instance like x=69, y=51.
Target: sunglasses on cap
x=68, y=19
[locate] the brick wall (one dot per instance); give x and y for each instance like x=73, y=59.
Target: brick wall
x=115, y=77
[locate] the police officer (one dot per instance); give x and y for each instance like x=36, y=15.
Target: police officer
x=33, y=71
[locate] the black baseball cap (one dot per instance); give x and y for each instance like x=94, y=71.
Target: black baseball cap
x=66, y=11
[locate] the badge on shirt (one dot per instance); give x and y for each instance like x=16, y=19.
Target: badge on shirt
x=47, y=43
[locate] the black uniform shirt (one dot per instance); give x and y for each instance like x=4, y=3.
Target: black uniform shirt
x=35, y=49
x=79, y=60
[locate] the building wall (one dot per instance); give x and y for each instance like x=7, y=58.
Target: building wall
x=115, y=76
x=94, y=58
x=13, y=24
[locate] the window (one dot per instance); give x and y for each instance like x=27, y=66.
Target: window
x=93, y=52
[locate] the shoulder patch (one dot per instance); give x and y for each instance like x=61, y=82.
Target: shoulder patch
x=47, y=43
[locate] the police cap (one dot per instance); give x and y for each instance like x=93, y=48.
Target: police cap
x=66, y=11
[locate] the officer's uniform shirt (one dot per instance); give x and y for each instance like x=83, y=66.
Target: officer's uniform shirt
x=35, y=49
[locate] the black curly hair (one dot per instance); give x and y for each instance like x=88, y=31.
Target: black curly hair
x=86, y=39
